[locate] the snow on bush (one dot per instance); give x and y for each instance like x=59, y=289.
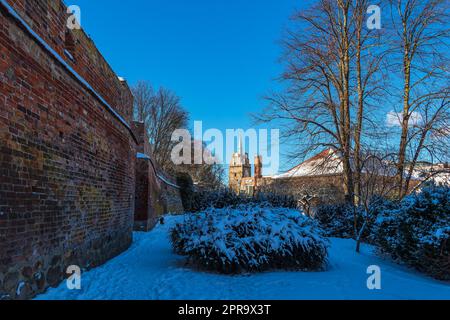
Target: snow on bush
x=338, y=220
x=417, y=232
x=251, y=238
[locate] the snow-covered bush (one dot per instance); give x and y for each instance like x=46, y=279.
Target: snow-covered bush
x=204, y=199
x=251, y=238
x=338, y=220
x=276, y=200
x=201, y=200
x=417, y=232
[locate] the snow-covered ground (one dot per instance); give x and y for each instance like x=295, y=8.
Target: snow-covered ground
x=150, y=270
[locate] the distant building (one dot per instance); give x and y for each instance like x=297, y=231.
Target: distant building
x=319, y=179
x=240, y=168
x=439, y=173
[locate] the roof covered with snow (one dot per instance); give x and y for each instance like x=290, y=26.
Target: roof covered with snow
x=327, y=162
x=438, y=173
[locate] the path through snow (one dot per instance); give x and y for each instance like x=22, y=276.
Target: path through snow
x=150, y=270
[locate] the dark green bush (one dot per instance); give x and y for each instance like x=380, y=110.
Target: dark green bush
x=336, y=220
x=204, y=199
x=339, y=220
x=417, y=232
x=251, y=238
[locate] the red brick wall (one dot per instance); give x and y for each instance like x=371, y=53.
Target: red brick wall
x=148, y=197
x=67, y=165
x=48, y=18
x=154, y=197
x=143, y=142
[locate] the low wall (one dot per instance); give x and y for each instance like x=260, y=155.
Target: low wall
x=173, y=199
x=156, y=193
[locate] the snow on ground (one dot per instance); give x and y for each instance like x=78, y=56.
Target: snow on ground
x=150, y=270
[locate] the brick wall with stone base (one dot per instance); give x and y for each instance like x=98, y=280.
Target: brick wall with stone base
x=67, y=162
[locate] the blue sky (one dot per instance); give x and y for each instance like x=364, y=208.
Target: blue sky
x=220, y=56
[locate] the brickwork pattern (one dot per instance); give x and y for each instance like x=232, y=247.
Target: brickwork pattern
x=154, y=196
x=67, y=165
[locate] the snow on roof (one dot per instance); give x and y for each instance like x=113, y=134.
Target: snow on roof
x=438, y=173
x=442, y=179
x=327, y=162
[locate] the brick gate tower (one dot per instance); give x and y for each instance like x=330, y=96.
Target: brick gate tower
x=239, y=168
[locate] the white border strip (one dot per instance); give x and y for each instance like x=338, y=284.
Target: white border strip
x=12, y=12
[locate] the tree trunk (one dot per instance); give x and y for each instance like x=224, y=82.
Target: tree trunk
x=405, y=126
x=359, y=237
x=348, y=172
x=359, y=122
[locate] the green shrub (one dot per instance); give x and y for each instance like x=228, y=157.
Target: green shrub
x=339, y=220
x=204, y=199
x=251, y=238
x=417, y=232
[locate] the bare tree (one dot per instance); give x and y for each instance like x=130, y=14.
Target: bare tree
x=422, y=48
x=425, y=137
x=376, y=183
x=143, y=99
x=318, y=101
x=208, y=175
x=165, y=116
x=335, y=76
x=162, y=113
x=368, y=58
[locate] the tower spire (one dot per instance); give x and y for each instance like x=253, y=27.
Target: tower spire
x=241, y=152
